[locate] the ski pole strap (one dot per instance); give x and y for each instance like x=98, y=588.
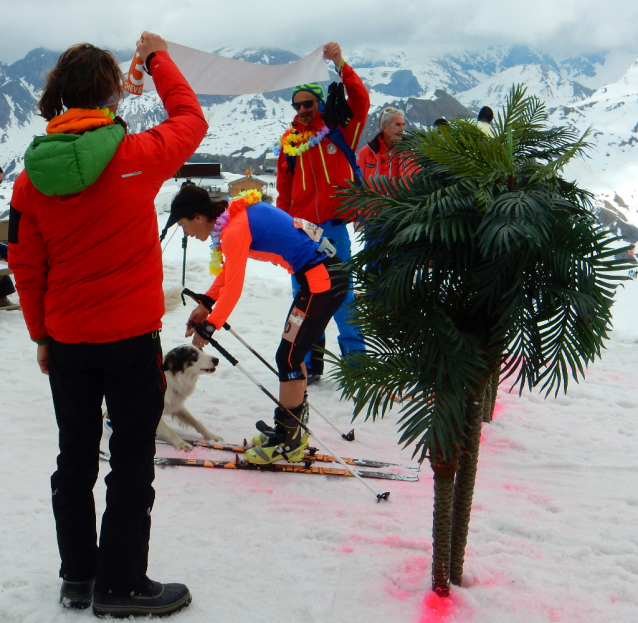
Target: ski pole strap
x=202, y=299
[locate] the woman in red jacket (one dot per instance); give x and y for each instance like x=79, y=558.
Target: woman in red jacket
x=84, y=248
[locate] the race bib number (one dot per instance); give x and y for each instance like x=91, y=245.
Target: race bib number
x=292, y=324
x=312, y=230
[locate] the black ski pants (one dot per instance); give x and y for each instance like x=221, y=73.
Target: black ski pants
x=128, y=374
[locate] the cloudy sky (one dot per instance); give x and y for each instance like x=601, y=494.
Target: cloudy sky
x=418, y=27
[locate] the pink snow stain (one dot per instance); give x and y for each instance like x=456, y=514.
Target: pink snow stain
x=512, y=487
x=399, y=593
x=498, y=407
x=435, y=609
x=552, y=613
x=347, y=549
x=408, y=578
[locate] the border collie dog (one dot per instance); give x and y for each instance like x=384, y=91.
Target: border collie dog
x=182, y=367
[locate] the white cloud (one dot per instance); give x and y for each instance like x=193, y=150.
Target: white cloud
x=424, y=27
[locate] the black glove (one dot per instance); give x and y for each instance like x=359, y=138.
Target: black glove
x=204, y=329
x=204, y=300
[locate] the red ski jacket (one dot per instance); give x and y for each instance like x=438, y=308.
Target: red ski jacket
x=309, y=192
x=88, y=266
x=375, y=159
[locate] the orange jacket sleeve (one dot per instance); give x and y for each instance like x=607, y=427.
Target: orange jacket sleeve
x=227, y=288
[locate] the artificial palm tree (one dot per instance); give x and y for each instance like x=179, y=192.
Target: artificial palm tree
x=485, y=260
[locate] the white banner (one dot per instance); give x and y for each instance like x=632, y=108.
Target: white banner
x=211, y=74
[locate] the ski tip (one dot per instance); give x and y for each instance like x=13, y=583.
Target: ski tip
x=383, y=496
x=349, y=436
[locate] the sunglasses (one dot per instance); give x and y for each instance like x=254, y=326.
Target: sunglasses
x=306, y=104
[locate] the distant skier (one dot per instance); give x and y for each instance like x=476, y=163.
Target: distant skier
x=249, y=228
x=484, y=120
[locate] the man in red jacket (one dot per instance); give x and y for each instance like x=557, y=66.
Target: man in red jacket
x=376, y=157
x=84, y=248
x=311, y=165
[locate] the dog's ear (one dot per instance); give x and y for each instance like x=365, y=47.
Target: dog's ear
x=169, y=362
x=178, y=359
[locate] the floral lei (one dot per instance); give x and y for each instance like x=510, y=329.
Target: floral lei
x=238, y=203
x=294, y=142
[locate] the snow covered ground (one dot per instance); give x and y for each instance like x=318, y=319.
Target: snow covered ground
x=553, y=533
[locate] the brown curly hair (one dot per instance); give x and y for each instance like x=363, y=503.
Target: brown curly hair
x=84, y=77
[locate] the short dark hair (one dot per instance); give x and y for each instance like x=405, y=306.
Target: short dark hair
x=486, y=114
x=192, y=200
x=84, y=77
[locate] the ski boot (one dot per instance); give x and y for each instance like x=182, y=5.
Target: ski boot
x=286, y=442
x=266, y=431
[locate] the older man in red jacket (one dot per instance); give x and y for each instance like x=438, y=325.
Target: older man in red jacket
x=376, y=157
x=84, y=248
x=312, y=164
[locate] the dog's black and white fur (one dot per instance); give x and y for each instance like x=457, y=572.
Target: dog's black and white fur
x=182, y=366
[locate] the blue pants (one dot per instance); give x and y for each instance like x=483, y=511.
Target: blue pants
x=349, y=337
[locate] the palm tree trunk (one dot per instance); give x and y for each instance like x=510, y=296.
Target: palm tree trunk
x=487, y=403
x=491, y=389
x=496, y=379
x=442, y=526
x=464, y=484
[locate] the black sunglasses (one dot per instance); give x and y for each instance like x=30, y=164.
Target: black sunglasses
x=306, y=104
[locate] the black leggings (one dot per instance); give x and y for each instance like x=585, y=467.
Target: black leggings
x=308, y=317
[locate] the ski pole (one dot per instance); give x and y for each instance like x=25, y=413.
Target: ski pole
x=347, y=436
x=234, y=362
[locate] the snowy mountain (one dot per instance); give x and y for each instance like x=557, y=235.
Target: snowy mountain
x=542, y=81
x=612, y=113
x=244, y=129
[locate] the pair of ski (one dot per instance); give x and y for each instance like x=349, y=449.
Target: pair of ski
x=305, y=467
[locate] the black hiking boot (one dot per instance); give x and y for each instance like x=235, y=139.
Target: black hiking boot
x=155, y=599
x=76, y=595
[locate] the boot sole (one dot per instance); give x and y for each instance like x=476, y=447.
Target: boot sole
x=122, y=612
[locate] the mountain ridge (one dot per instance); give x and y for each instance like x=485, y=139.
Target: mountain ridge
x=244, y=129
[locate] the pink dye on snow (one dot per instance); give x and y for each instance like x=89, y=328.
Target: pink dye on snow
x=435, y=609
x=552, y=613
x=498, y=407
x=408, y=579
x=399, y=593
x=347, y=549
